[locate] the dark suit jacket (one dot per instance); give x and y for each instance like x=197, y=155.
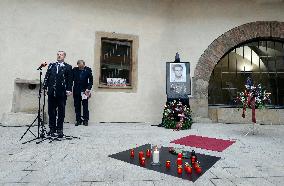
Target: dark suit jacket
x=83, y=83
x=58, y=83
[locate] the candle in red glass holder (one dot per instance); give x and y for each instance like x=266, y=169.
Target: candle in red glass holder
x=196, y=165
x=179, y=161
x=143, y=161
x=193, y=159
x=179, y=155
x=187, y=168
x=148, y=153
x=168, y=164
x=198, y=170
x=179, y=169
x=141, y=155
x=132, y=153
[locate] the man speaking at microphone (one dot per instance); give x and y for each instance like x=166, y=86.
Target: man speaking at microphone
x=58, y=83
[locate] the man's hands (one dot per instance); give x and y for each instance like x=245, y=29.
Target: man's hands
x=87, y=92
x=68, y=93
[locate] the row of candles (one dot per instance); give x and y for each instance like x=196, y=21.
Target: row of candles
x=188, y=169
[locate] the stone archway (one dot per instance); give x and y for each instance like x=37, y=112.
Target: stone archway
x=217, y=49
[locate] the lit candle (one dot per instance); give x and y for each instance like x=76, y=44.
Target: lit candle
x=148, y=153
x=132, y=153
x=156, y=156
x=179, y=161
x=196, y=165
x=193, y=159
x=186, y=168
x=179, y=169
x=141, y=155
x=143, y=161
x=198, y=170
x=189, y=169
x=168, y=164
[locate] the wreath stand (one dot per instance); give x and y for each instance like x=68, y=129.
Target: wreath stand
x=255, y=127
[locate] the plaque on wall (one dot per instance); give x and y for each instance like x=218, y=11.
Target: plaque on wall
x=178, y=79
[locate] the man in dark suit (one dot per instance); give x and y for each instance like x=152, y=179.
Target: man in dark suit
x=58, y=82
x=83, y=82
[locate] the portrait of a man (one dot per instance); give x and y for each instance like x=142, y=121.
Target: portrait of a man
x=178, y=72
x=178, y=82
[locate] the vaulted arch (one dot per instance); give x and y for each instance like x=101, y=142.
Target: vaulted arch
x=218, y=48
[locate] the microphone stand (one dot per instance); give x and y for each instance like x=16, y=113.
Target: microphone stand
x=43, y=129
x=40, y=122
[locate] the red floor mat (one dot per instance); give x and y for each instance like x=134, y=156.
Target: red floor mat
x=204, y=142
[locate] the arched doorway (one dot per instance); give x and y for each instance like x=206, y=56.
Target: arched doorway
x=260, y=59
x=219, y=48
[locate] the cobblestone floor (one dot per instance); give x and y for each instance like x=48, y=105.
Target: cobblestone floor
x=253, y=160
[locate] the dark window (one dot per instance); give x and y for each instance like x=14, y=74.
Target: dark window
x=116, y=62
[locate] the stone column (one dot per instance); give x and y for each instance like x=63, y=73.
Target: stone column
x=199, y=101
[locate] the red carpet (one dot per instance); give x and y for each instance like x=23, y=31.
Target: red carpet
x=204, y=142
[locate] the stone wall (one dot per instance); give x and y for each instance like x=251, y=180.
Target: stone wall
x=234, y=115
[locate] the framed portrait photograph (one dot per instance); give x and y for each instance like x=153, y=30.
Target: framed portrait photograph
x=177, y=72
x=178, y=83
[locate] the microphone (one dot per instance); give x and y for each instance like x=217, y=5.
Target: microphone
x=42, y=65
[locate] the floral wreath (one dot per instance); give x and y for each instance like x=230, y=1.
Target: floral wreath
x=253, y=97
x=176, y=116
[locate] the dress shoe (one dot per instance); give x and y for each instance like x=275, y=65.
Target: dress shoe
x=85, y=123
x=51, y=133
x=60, y=133
x=77, y=123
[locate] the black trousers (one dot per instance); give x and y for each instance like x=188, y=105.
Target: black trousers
x=78, y=102
x=56, y=107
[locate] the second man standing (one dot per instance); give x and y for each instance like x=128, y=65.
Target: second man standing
x=83, y=82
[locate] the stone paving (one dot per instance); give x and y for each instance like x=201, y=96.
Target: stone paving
x=253, y=160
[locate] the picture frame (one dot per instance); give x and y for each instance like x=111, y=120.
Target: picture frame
x=178, y=81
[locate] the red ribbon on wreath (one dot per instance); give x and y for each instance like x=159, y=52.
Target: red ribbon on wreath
x=250, y=102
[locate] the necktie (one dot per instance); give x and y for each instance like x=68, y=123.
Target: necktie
x=57, y=66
